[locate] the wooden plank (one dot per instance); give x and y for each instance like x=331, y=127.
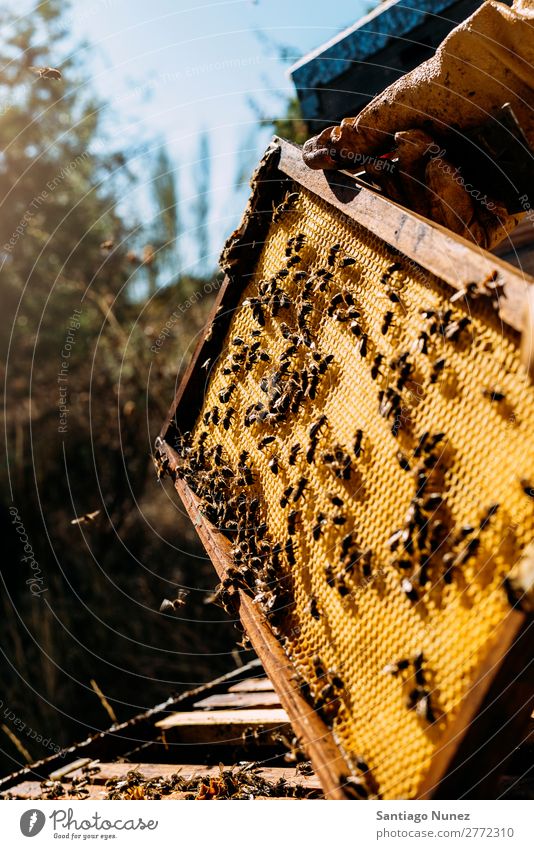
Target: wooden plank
x=123, y=737
x=438, y=250
x=60, y=773
x=33, y=790
x=252, y=685
x=108, y=771
x=225, y=718
x=239, y=700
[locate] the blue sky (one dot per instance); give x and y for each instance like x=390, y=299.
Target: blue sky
x=171, y=68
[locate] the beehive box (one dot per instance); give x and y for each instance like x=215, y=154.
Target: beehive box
x=354, y=442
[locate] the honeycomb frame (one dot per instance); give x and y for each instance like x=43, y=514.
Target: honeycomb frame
x=386, y=746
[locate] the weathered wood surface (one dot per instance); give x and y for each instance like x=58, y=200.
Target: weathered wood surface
x=238, y=701
x=251, y=685
x=109, y=771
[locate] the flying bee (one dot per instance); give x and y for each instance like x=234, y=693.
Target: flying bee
x=87, y=518
x=46, y=73
x=168, y=606
x=386, y=324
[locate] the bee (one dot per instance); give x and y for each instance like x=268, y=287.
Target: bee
x=386, y=324
x=217, y=455
x=292, y=521
x=284, y=501
x=293, y=454
x=227, y=421
x=288, y=203
x=377, y=362
x=46, y=73
x=366, y=563
x=403, y=462
x=290, y=552
x=395, y=668
x=274, y=464
x=267, y=440
x=490, y=512
x=453, y=330
x=313, y=608
x=409, y=590
x=339, y=520
x=469, y=290
x=437, y=368
x=347, y=261
x=168, y=606
x=87, y=518
x=336, y=500
x=301, y=486
x=315, y=428
x=527, y=487
x=421, y=444
x=318, y=527
x=493, y=395
x=358, y=443
x=226, y=394
x=396, y=266
x=334, y=250
x=363, y=345
x=422, y=342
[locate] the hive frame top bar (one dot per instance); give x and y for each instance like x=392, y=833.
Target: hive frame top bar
x=433, y=247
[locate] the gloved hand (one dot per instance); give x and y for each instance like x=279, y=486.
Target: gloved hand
x=487, y=61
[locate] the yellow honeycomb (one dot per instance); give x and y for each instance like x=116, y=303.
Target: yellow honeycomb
x=482, y=403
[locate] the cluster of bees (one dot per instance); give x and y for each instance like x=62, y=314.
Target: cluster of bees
x=427, y=549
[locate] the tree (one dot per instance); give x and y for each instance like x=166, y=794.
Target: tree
x=85, y=395
x=201, y=207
